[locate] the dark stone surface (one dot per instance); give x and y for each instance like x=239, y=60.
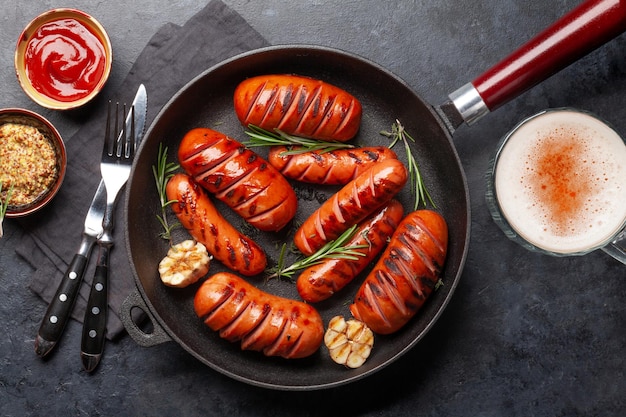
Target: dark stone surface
x=525, y=334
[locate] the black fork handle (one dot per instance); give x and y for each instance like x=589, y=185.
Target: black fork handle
x=94, y=323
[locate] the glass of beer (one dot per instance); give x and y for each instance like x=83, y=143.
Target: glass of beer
x=557, y=184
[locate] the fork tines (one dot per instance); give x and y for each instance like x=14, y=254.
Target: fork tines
x=121, y=139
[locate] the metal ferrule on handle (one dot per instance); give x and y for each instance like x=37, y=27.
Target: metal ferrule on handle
x=469, y=103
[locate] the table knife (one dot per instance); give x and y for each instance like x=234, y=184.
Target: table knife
x=60, y=308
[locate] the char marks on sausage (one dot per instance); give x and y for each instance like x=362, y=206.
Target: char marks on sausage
x=260, y=321
x=351, y=204
x=405, y=275
x=320, y=281
x=298, y=105
x=205, y=224
x=336, y=167
x=239, y=177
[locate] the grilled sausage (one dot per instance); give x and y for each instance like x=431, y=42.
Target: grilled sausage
x=351, y=204
x=334, y=167
x=239, y=177
x=297, y=105
x=405, y=274
x=262, y=322
x=199, y=216
x=319, y=282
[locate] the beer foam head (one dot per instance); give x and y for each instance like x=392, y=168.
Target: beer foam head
x=561, y=181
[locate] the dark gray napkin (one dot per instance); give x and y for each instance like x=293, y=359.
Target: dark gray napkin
x=172, y=57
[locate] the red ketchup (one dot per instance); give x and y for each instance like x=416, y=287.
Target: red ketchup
x=65, y=60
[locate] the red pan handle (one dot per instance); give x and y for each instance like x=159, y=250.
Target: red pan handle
x=582, y=30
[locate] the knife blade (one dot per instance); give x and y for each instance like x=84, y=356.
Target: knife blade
x=94, y=323
x=60, y=307
x=141, y=112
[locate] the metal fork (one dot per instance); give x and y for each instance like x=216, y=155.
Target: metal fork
x=115, y=166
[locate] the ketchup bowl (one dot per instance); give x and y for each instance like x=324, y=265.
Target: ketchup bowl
x=63, y=58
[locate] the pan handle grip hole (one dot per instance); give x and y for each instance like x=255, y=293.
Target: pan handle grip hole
x=139, y=322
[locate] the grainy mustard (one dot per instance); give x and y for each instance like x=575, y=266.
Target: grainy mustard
x=27, y=163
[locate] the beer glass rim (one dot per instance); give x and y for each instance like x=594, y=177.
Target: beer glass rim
x=493, y=203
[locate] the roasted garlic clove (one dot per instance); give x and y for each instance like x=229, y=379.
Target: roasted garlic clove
x=349, y=342
x=184, y=264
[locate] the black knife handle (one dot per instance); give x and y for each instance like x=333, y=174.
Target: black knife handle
x=60, y=307
x=94, y=324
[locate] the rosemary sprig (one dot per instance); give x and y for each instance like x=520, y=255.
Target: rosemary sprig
x=335, y=249
x=396, y=134
x=261, y=137
x=4, y=205
x=163, y=171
